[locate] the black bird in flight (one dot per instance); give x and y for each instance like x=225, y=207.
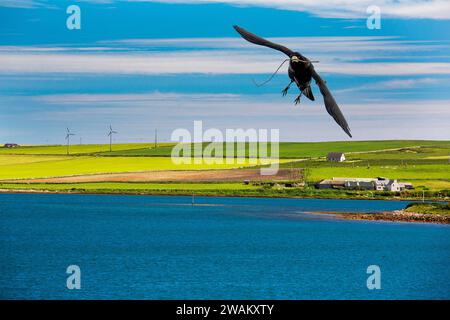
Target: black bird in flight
x=301, y=71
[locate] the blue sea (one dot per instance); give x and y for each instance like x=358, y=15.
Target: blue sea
x=161, y=247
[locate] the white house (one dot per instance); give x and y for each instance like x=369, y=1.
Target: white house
x=336, y=157
x=388, y=185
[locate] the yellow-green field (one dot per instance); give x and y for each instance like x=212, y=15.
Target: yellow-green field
x=127, y=186
x=291, y=150
x=26, y=167
x=20, y=159
x=424, y=163
x=78, y=149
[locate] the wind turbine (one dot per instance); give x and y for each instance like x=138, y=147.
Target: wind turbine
x=68, y=140
x=110, y=134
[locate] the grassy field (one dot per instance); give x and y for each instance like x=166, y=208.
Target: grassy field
x=424, y=163
x=307, y=150
x=111, y=186
x=20, y=159
x=425, y=166
x=435, y=208
x=77, y=149
x=438, y=174
x=17, y=167
x=290, y=150
x=160, y=151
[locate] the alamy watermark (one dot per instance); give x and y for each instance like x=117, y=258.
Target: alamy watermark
x=374, y=280
x=236, y=146
x=74, y=279
x=373, y=21
x=73, y=21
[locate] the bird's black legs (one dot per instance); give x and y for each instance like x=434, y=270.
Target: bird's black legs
x=297, y=100
x=285, y=90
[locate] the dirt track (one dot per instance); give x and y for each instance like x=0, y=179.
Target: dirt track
x=238, y=175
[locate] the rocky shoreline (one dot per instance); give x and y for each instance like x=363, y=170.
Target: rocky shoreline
x=398, y=215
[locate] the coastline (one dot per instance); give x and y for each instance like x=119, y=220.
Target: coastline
x=392, y=216
x=201, y=193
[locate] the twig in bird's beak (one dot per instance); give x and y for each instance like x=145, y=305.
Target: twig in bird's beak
x=296, y=59
x=306, y=61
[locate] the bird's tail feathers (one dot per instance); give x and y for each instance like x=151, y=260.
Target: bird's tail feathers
x=308, y=93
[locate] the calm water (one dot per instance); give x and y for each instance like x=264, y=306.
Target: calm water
x=145, y=247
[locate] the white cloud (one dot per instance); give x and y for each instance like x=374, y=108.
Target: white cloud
x=408, y=83
x=152, y=97
x=393, y=84
x=419, y=9
x=229, y=104
x=428, y=9
x=136, y=114
x=21, y=3
x=219, y=62
x=333, y=44
x=342, y=55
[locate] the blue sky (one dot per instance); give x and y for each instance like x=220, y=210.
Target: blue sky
x=141, y=65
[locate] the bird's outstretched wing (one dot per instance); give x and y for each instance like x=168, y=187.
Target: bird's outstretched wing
x=262, y=42
x=330, y=103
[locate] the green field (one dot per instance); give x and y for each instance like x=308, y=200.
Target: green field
x=434, y=208
x=21, y=159
x=425, y=166
x=76, y=149
x=434, y=174
x=290, y=150
x=424, y=163
x=129, y=186
x=24, y=167
x=307, y=150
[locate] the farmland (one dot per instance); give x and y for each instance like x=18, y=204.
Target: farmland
x=17, y=167
x=291, y=150
x=425, y=166
x=74, y=149
x=118, y=186
x=295, y=150
x=424, y=163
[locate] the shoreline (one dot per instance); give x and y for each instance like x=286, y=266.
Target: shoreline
x=196, y=193
x=390, y=216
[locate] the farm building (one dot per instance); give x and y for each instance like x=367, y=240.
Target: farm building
x=347, y=183
x=335, y=183
x=379, y=184
x=387, y=185
x=10, y=145
x=336, y=157
x=408, y=185
x=360, y=184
